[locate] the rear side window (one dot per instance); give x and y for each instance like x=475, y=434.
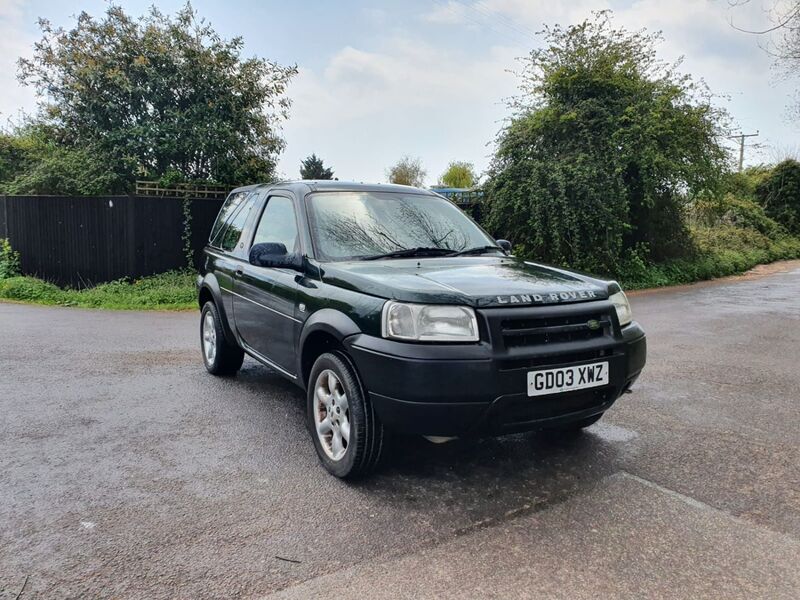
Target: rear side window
x=233, y=229
x=229, y=208
x=231, y=220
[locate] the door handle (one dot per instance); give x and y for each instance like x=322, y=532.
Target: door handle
x=238, y=272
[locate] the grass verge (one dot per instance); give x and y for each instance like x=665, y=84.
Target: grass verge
x=721, y=251
x=174, y=290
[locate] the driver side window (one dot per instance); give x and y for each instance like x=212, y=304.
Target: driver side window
x=278, y=224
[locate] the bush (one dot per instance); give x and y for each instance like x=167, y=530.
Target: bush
x=9, y=260
x=721, y=250
x=172, y=290
x=744, y=184
x=739, y=212
x=30, y=289
x=779, y=194
x=729, y=235
x=605, y=144
x=61, y=170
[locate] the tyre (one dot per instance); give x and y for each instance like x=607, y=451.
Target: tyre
x=219, y=355
x=347, y=434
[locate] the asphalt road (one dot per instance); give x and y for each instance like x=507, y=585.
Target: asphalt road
x=128, y=472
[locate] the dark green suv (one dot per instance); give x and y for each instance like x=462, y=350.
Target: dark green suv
x=395, y=312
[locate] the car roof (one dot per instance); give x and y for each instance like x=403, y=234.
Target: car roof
x=305, y=186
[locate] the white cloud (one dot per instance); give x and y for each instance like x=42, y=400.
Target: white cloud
x=14, y=42
x=701, y=31
x=376, y=16
x=450, y=13
x=517, y=20
x=368, y=108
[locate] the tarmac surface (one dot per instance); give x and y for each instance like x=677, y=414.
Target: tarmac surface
x=126, y=471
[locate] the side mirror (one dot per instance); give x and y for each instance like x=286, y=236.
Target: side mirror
x=504, y=244
x=274, y=255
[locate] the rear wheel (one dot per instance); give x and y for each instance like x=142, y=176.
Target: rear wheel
x=220, y=356
x=347, y=434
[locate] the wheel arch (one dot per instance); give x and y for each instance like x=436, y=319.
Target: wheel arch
x=324, y=331
x=209, y=291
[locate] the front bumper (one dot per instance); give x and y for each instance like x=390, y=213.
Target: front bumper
x=459, y=390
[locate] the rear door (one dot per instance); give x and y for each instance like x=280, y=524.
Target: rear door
x=265, y=299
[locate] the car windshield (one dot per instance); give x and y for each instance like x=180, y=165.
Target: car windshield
x=360, y=225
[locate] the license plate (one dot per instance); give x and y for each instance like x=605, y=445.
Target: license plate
x=567, y=379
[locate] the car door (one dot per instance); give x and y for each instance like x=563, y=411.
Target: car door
x=265, y=298
x=224, y=252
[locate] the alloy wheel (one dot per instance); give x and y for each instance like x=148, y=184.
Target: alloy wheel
x=209, y=338
x=331, y=415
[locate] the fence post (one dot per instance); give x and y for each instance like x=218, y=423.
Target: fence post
x=130, y=222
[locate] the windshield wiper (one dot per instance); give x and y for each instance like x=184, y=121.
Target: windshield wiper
x=478, y=250
x=406, y=252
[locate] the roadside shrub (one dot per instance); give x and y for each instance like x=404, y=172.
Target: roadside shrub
x=779, y=194
x=55, y=169
x=30, y=289
x=172, y=290
x=739, y=212
x=744, y=184
x=9, y=260
x=605, y=145
x=721, y=250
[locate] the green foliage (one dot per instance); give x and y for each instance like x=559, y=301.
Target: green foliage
x=9, y=260
x=41, y=166
x=729, y=235
x=459, y=175
x=157, y=94
x=727, y=209
x=313, y=168
x=186, y=233
x=172, y=290
x=15, y=151
x=407, y=171
x=744, y=184
x=722, y=251
x=779, y=194
x=605, y=145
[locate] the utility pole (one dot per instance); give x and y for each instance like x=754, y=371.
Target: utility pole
x=741, y=137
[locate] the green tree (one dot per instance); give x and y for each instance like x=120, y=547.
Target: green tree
x=156, y=94
x=779, y=194
x=459, y=175
x=313, y=168
x=31, y=162
x=604, y=144
x=407, y=171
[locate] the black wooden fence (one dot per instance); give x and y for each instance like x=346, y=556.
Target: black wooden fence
x=80, y=241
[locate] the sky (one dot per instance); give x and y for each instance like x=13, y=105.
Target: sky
x=430, y=78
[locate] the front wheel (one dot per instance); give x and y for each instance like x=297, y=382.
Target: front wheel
x=220, y=356
x=347, y=434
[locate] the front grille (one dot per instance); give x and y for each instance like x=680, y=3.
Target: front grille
x=528, y=331
x=556, y=359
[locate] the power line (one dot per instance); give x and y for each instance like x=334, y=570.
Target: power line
x=500, y=19
x=471, y=14
x=741, y=138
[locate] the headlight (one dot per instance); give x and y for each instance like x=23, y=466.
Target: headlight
x=624, y=314
x=429, y=322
